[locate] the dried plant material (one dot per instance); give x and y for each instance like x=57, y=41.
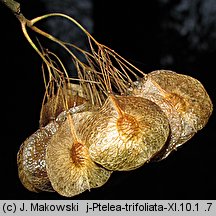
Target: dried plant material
x=183, y=99
x=22, y=174
x=31, y=159
x=69, y=166
x=127, y=141
x=31, y=156
x=56, y=103
x=149, y=90
x=164, y=110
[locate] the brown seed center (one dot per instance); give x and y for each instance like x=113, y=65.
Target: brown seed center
x=77, y=153
x=177, y=101
x=128, y=126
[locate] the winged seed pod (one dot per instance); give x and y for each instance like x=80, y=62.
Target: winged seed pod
x=31, y=156
x=31, y=159
x=183, y=99
x=126, y=137
x=22, y=174
x=69, y=166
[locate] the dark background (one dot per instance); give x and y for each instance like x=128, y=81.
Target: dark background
x=176, y=35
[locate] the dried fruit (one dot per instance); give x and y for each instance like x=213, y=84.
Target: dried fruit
x=100, y=131
x=184, y=101
x=31, y=159
x=31, y=156
x=22, y=174
x=126, y=139
x=69, y=166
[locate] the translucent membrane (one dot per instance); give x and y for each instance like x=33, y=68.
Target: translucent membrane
x=127, y=141
x=183, y=99
x=69, y=166
x=31, y=159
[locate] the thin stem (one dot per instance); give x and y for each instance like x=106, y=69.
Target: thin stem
x=116, y=105
x=67, y=17
x=99, y=59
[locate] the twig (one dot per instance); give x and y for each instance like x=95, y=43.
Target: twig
x=12, y=5
x=102, y=58
x=15, y=9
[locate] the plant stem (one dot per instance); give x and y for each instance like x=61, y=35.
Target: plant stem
x=15, y=9
x=12, y=5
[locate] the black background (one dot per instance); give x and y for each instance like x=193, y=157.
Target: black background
x=133, y=29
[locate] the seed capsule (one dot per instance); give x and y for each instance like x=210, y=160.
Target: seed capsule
x=126, y=140
x=31, y=159
x=22, y=174
x=31, y=156
x=69, y=166
x=183, y=99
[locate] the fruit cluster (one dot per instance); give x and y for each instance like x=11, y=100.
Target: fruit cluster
x=80, y=143
x=117, y=118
